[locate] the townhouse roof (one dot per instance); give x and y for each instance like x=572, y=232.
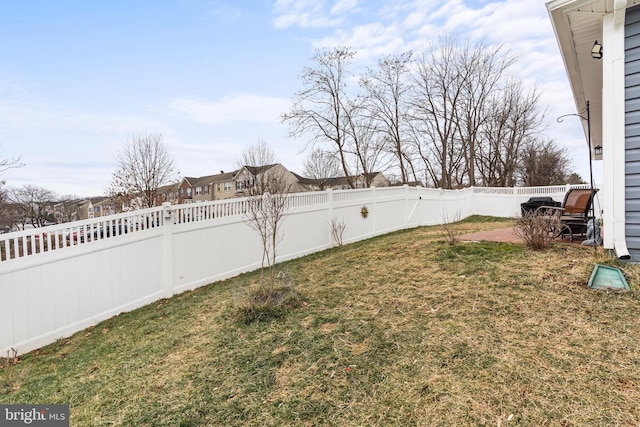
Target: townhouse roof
x=257, y=170
x=303, y=180
x=190, y=180
x=100, y=200
x=223, y=176
x=203, y=181
x=333, y=181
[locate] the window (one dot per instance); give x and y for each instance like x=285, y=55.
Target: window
x=206, y=190
x=227, y=186
x=239, y=185
x=198, y=191
x=218, y=186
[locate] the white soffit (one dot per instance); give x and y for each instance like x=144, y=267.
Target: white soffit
x=578, y=24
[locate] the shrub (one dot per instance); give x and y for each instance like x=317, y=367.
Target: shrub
x=451, y=230
x=538, y=230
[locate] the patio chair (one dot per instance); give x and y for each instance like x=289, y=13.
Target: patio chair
x=574, y=212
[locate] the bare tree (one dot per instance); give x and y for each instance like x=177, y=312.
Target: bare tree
x=10, y=213
x=439, y=84
x=318, y=111
x=320, y=166
x=385, y=92
x=267, y=202
x=34, y=204
x=364, y=145
x=6, y=164
x=451, y=117
x=487, y=66
x=144, y=165
x=469, y=119
x=514, y=119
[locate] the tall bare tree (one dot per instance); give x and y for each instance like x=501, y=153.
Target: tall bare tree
x=514, y=119
x=385, y=92
x=318, y=111
x=439, y=83
x=267, y=202
x=469, y=119
x=365, y=146
x=320, y=166
x=144, y=165
x=452, y=116
x=487, y=65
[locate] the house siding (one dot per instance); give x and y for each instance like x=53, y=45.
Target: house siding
x=632, y=131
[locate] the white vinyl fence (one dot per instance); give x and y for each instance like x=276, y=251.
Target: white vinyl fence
x=57, y=280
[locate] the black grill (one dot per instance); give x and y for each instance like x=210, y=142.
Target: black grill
x=535, y=202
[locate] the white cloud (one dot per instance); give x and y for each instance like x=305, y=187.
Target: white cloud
x=234, y=108
x=370, y=41
x=506, y=22
x=313, y=13
x=414, y=20
x=344, y=6
x=303, y=14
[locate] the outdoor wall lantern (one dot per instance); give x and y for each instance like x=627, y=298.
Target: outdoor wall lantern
x=596, y=50
x=597, y=150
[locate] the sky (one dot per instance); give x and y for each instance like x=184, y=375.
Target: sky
x=79, y=79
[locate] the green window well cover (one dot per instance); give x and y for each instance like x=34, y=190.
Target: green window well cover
x=604, y=277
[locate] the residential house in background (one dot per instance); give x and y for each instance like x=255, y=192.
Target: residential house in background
x=227, y=185
x=102, y=206
x=73, y=210
x=247, y=177
x=223, y=185
x=375, y=179
x=201, y=190
x=168, y=193
x=185, y=189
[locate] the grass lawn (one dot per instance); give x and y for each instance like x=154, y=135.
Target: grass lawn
x=402, y=329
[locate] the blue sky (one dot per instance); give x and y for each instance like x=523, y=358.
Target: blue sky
x=79, y=78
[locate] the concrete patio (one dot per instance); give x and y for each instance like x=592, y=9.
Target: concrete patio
x=508, y=234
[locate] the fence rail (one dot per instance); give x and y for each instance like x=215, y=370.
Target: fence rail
x=59, y=279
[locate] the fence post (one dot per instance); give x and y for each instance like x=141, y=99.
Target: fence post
x=167, y=265
x=329, y=192
x=406, y=206
x=373, y=211
x=419, y=205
